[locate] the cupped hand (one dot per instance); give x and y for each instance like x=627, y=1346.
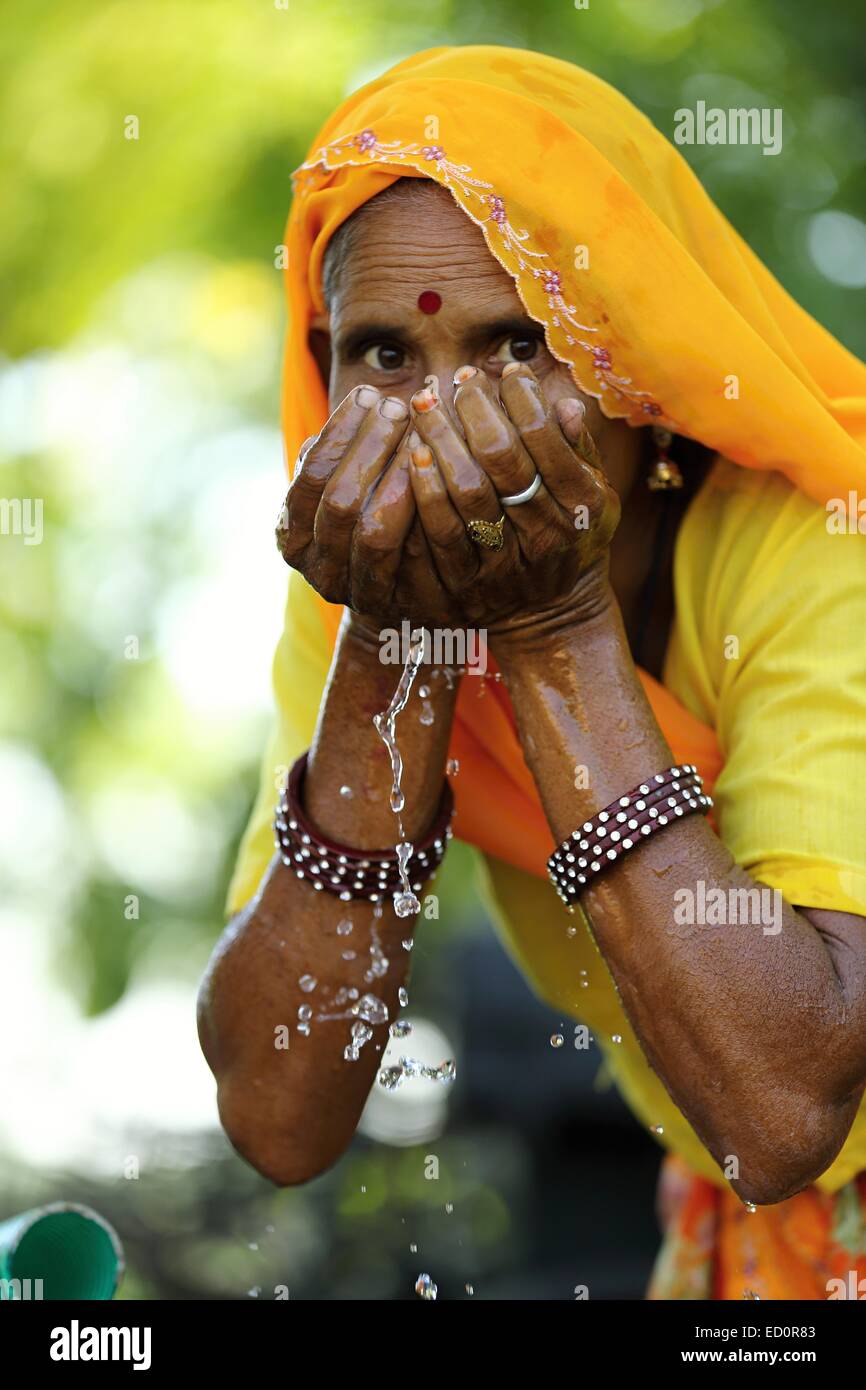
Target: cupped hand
x=349, y=523
x=553, y=562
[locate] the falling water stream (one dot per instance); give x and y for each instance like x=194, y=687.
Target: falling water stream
x=385, y=724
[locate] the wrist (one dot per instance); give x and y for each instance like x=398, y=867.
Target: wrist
x=362, y=634
x=584, y=611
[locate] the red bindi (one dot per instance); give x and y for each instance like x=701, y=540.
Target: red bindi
x=429, y=302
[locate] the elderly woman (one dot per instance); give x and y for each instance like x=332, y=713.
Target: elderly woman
x=571, y=411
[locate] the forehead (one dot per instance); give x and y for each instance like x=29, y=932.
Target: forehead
x=419, y=240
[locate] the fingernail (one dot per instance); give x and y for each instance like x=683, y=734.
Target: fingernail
x=421, y=457
x=571, y=416
x=366, y=396
x=511, y=367
x=393, y=409
x=463, y=374
x=424, y=400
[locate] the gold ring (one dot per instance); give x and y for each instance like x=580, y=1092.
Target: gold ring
x=490, y=534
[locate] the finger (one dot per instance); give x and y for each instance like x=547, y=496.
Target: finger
x=571, y=414
x=455, y=557
x=320, y=455
x=558, y=441
x=497, y=444
x=379, y=534
x=468, y=486
x=363, y=462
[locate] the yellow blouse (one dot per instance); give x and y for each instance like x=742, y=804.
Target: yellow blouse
x=768, y=647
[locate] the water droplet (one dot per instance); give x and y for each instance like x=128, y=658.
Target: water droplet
x=403, y=996
x=469, y=1289
x=346, y=792
x=308, y=983
x=657, y=1129
x=401, y=1029
x=556, y=1040
x=363, y=1189
x=449, y=1207
x=452, y=767
x=425, y=1288
x=413, y=1249
x=255, y=1291
x=371, y=1009
x=751, y=1208
x=407, y=945
x=617, y=1038
x=390, y=1078
x=253, y=1245
x=305, y=1013
x=571, y=931
x=349, y=955
x=406, y=905
x=344, y=928
x=423, y=692
x=749, y=1293
x=427, y=717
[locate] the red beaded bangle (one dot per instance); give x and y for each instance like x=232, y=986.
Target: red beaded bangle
x=353, y=873
x=621, y=826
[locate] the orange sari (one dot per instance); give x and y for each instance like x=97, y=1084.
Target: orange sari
x=811, y=1247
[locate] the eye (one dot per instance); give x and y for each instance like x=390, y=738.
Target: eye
x=385, y=357
x=520, y=347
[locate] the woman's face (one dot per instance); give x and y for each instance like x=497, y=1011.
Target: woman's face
x=375, y=331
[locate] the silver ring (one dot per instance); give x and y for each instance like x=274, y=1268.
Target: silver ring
x=517, y=498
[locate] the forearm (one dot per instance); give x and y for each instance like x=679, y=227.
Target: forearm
x=291, y=1111
x=750, y=1032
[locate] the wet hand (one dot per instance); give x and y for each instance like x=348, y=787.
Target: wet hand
x=553, y=561
x=349, y=523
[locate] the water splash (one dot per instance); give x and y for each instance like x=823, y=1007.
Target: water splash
x=391, y=1077
x=425, y=1288
x=405, y=901
x=378, y=959
x=361, y=1033
x=385, y=723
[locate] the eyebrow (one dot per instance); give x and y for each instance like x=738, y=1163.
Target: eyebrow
x=362, y=334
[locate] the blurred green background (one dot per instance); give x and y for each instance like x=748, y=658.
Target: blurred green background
x=141, y=329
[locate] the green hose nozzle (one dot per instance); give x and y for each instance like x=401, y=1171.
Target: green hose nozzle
x=63, y=1250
